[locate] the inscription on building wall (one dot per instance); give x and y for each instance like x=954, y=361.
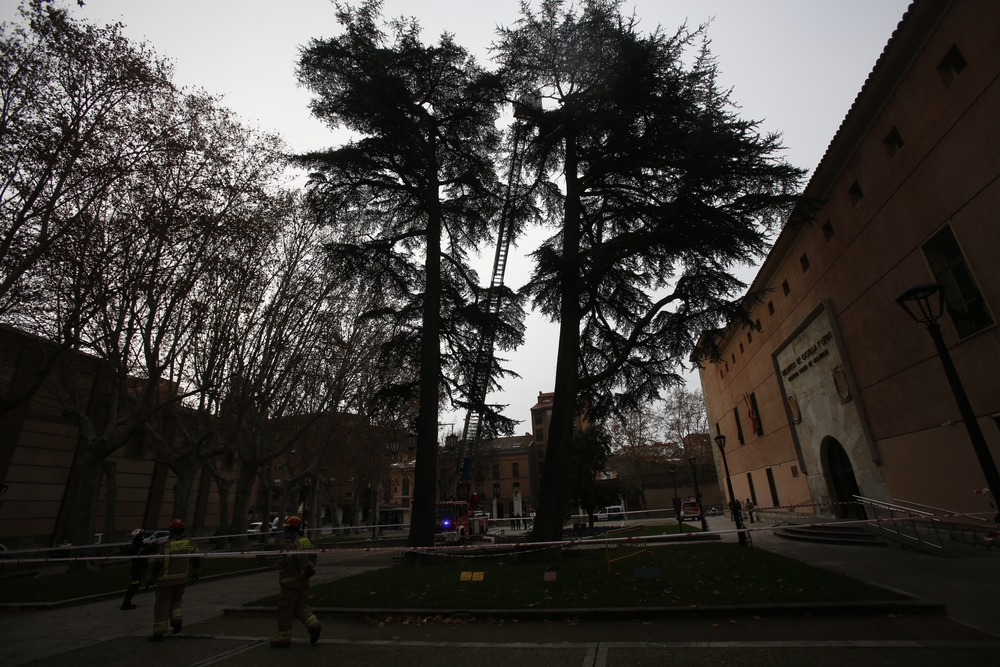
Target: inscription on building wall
x=810, y=356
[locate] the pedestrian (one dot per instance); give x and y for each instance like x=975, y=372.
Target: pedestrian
x=749, y=507
x=293, y=597
x=138, y=565
x=173, y=574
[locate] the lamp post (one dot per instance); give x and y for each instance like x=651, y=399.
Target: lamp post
x=697, y=495
x=925, y=304
x=734, y=505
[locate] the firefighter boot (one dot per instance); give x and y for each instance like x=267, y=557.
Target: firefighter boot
x=175, y=625
x=314, y=633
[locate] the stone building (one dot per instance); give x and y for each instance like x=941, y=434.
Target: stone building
x=835, y=391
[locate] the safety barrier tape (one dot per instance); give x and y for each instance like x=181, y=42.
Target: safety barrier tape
x=439, y=549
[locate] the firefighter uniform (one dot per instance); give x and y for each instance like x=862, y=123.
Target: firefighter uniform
x=172, y=578
x=138, y=565
x=293, y=598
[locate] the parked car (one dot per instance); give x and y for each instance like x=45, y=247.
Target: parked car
x=611, y=513
x=157, y=537
x=690, y=510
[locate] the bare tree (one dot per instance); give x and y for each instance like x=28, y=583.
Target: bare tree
x=80, y=110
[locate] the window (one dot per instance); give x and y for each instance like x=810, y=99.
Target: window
x=749, y=337
x=515, y=470
x=734, y=358
x=828, y=230
x=406, y=486
x=517, y=487
x=538, y=419
x=739, y=426
x=951, y=66
x=757, y=324
x=496, y=471
x=753, y=492
x=756, y=414
x=722, y=376
x=963, y=300
x=479, y=490
x=893, y=143
x=727, y=366
x=774, y=489
x=785, y=288
x=539, y=434
x=496, y=490
x=741, y=348
x=795, y=471
x=770, y=306
x=855, y=194
x=804, y=261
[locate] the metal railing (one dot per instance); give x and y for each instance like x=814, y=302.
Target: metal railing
x=904, y=524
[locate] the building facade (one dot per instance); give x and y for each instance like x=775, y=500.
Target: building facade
x=836, y=391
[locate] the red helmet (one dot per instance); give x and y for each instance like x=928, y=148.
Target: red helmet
x=292, y=523
x=177, y=526
x=135, y=533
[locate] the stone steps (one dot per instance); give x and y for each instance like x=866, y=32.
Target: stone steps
x=843, y=535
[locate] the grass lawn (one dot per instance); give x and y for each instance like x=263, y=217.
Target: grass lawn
x=696, y=574
x=71, y=585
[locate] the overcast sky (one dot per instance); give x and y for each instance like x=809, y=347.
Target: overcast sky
x=795, y=65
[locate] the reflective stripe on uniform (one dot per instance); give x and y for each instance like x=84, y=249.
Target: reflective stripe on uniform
x=312, y=621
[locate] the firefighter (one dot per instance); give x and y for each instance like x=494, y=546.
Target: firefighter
x=138, y=548
x=173, y=576
x=293, y=599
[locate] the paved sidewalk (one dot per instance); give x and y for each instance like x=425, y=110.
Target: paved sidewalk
x=969, y=586
x=27, y=636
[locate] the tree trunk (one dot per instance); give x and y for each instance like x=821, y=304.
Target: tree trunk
x=425, y=472
x=110, y=501
x=83, y=504
x=549, y=516
x=241, y=504
x=223, y=485
x=331, y=501
x=265, y=508
x=186, y=471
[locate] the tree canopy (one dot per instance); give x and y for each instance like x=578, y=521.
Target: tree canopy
x=407, y=199
x=657, y=190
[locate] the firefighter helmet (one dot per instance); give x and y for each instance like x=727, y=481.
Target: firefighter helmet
x=292, y=523
x=135, y=533
x=177, y=526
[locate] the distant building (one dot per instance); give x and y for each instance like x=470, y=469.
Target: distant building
x=835, y=391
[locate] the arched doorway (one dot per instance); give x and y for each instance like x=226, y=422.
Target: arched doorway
x=844, y=485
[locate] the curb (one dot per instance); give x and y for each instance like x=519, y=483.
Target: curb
x=862, y=608
x=28, y=606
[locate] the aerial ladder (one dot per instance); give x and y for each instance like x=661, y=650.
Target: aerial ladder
x=526, y=110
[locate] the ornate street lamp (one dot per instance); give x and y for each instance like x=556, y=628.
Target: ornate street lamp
x=394, y=446
x=734, y=505
x=451, y=442
x=697, y=495
x=411, y=441
x=925, y=304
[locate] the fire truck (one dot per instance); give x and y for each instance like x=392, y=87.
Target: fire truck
x=455, y=520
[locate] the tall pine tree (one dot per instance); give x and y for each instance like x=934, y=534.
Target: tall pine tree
x=407, y=198
x=657, y=190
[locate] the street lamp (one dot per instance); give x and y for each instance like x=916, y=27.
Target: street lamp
x=451, y=442
x=394, y=446
x=673, y=479
x=411, y=441
x=734, y=505
x=925, y=304
x=697, y=495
